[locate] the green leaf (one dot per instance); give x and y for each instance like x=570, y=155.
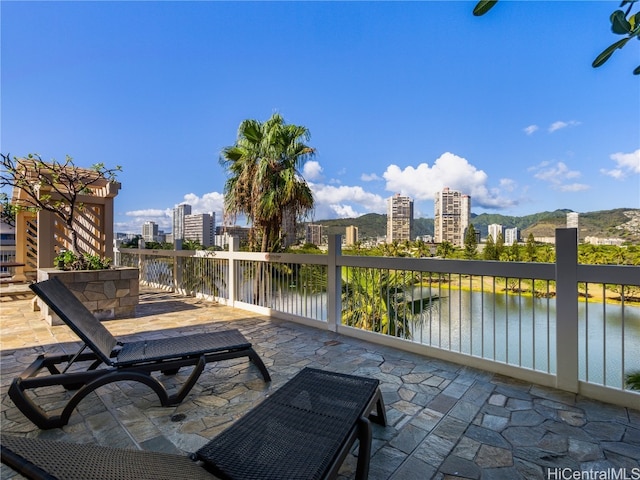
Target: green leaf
x=619, y=23
x=483, y=6
x=636, y=71
x=604, y=56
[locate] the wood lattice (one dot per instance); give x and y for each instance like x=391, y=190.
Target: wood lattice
x=42, y=236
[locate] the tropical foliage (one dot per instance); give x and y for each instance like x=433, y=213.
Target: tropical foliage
x=633, y=380
x=623, y=22
x=264, y=181
x=69, y=260
x=384, y=301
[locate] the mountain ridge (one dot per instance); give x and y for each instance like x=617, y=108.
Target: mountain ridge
x=621, y=223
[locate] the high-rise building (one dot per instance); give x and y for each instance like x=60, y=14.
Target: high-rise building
x=452, y=216
x=573, y=219
x=510, y=236
x=288, y=228
x=495, y=230
x=351, y=235
x=399, y=218
x=223, y=232
x=150, y=231
x=200, y=227
x=178, y=220
x=313, y=234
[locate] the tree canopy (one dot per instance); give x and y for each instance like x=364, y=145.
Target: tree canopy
x=54, y=186
x=264, y=181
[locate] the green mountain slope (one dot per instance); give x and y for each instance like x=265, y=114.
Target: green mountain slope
x=620, y=223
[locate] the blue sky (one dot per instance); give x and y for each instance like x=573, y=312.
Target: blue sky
x=399, y=97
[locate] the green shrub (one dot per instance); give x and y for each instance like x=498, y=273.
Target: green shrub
x=633, y=380
x=69, y=260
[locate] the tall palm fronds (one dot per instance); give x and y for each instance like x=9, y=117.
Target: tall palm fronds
x=383, y=301
x=264, y=180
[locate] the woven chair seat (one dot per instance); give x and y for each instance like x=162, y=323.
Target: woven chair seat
x=181, y=347
x=46, y=459
x=301, y=431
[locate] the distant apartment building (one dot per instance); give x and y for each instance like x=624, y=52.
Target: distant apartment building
x=511, y=236
x=7, y=246
x=178, y=220
x=351, y=235
x=150, y=231
x=200, y=227
x=288, y=228
x=603, y=241
x=495, y=230
x=399, y=218
x=225, y=231
x=452, y=216
x=313, y=234
x=573, y=221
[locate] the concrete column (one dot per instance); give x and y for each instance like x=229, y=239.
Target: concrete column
x=567, y=309
x=232, y=288
x=334, y=284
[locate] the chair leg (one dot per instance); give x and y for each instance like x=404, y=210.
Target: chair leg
x=380, y=417
x=364, y=451
x=188, y=385
x=257, y=361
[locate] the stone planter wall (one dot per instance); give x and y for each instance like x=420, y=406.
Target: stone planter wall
x=108, y=294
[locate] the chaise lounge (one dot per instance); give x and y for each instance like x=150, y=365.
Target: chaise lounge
x=112, y=361
x=304, y=430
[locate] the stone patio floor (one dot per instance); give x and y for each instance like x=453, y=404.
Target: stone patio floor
x=446, y=421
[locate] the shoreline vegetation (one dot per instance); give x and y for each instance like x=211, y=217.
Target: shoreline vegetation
x=592, y=293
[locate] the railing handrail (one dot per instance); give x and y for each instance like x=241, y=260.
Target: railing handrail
x=565, y=276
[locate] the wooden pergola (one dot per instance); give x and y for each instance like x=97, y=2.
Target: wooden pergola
x=41, y=235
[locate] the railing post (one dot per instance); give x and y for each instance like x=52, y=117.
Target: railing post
x=234, y=245
x=334, y=284
x=567, y=309
x=177, y=266
x=141, y=259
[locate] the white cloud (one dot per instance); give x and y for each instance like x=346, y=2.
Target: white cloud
x=312, y=170
x=345, y=211
x=345, y=201
x=508, y=184
x=149, y=213
x=571, y=187
x=369, y=177
x=559, y=125
x=209, y=202
x=626, y=164
x=449, y=170
x=557, y=175
x=531, y=129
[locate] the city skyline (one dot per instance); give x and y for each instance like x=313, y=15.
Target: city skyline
x=399, y=97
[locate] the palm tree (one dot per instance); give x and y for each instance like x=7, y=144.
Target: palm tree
x=384, y=301
x=264, y=182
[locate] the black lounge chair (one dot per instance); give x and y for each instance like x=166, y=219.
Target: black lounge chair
x=113, y=361
x=303, y=431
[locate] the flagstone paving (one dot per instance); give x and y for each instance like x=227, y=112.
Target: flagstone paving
x=446, y=421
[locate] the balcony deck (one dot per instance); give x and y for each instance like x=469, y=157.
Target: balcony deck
x=445, y=420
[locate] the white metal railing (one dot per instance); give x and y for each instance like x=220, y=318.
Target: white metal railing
x=526, y=320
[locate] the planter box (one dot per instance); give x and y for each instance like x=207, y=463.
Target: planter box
x=108, y=294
